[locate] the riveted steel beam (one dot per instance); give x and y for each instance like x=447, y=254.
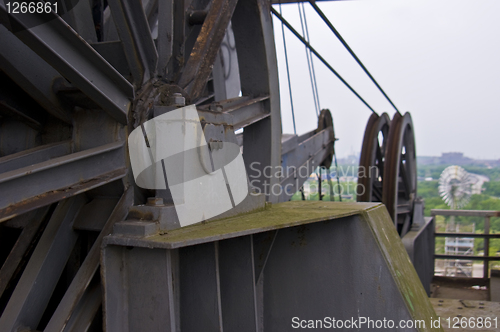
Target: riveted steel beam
x=59, y=178
x=206, y=47
x=34, y=290
x=61, y=47
x=133, y=28
x=165, y=34
x=244, y=110
x=23, y=243
x=34, y=156
x=70, y=306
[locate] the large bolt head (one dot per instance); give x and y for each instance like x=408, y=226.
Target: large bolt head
x=176, y=99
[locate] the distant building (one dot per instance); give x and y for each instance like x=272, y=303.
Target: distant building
x=455, y=158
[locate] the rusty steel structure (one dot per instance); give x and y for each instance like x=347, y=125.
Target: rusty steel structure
x=73, y=86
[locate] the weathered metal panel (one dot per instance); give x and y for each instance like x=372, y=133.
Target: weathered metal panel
x=324, y=270
x=315, y=266
x=237, y=284
x=200, y=307
x=419, y=243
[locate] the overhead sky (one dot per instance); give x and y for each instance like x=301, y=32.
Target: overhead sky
x=437, y=59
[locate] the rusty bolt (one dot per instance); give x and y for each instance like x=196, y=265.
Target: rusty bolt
x=176, y=99
x=215, y=107
x=155, y=201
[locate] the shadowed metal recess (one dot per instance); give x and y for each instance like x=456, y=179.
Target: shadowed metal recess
x=73, y=85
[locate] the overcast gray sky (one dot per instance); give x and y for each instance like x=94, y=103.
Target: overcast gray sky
x=438, y=59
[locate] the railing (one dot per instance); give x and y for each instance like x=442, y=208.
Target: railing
x=485, y=235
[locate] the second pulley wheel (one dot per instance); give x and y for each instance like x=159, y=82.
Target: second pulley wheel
x=399, y=188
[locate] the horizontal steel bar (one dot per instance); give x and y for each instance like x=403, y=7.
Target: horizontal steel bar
x=244, y=110
x=248, y=112
x=468, y=258
x=26, y=188
x=288, y=143
x=475, y=235
x=61, y=47
x=34, y=156
x=306, y=149
x=465, y=213
x=307, y=155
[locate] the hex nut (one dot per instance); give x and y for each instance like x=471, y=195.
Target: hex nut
x=176, y=99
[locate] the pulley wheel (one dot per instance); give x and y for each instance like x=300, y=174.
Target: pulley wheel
x=400, y=173
x=372, y=160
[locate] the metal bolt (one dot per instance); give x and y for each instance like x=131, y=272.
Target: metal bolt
x=440, y=304
x=481, y=303
x=441, y=301
x=176, y=99
x=215, y=107
x=155, y=201
x=481, y=307
x=459, y=315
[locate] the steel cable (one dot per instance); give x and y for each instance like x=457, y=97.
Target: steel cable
x=309, y=59
x=288, y=25
x=337, y=34
x=288, y=74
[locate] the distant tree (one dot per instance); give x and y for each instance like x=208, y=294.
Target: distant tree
x=492, y=188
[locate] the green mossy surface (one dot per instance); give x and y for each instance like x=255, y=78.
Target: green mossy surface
x=402, y=270
x=272, y=217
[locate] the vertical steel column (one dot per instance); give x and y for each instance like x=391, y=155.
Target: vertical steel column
x=262, y=140
x=486, y=265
